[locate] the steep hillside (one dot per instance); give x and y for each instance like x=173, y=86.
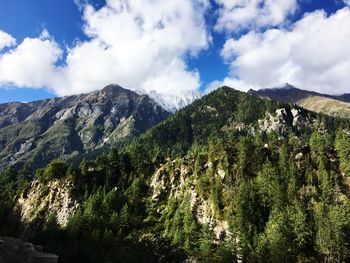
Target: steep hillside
x=230, y=178
x=328, y=106
x=68, y=127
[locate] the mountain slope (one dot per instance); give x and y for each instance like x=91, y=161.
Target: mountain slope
x=67, y=127
x=328, y=106
x=332, y=105
x=293, y=94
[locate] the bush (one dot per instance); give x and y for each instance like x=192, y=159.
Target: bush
x=55, y=170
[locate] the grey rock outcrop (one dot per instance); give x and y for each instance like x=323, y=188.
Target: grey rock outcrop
x=284, y=119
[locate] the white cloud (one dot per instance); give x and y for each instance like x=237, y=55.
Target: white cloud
x=30, y=64
x=137, y=44
x=6, y=40
x=347, y=2
x=236, y=15
x=314, y=54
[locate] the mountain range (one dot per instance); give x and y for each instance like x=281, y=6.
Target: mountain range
x=86, y=124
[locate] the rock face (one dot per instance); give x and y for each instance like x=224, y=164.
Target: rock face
x=17, y=251
x=67, y=127
x=54, y=198
x=176, y=180
x=283, y=119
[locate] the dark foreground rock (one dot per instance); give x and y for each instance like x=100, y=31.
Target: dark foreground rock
x=17, y=251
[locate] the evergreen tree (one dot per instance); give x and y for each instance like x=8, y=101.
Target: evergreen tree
x=342, y=145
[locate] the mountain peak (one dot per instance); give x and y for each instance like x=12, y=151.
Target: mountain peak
x=287, y=86
x=72, y=126
x=172, y=102
x=113, y=88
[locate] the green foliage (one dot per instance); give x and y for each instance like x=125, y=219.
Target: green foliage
x=342, y=146
x=55, y=170
x=332, y=235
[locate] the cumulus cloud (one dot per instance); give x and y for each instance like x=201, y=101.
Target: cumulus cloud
x=313, y=54
x=137, y=44
x=31, y=63
x=236, y=15
x=6, y=40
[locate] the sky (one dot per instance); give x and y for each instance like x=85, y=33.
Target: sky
x=64, y=47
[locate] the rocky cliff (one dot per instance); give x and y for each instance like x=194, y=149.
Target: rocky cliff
x=44, y=200
x=177, y=181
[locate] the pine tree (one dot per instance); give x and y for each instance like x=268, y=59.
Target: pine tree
x=342, y=145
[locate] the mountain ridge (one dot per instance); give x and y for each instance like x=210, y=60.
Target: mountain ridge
x=293, y=94
x=72, y=125
x=337, y=105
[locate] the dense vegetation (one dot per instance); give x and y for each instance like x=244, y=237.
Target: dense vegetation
x=285, y=197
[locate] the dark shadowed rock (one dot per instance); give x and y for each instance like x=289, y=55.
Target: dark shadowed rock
x=17, y=251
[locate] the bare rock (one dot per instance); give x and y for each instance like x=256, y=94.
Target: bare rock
x=299, y=156
x=43, y=200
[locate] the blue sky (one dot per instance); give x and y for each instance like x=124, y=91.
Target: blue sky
x=211, y=43
x=23, y=18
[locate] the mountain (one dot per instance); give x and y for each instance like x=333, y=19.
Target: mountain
x=229, y=178
x=172, y=103
x=215, y=114
x=69, y=127
x=333, y=105
x=292, y=94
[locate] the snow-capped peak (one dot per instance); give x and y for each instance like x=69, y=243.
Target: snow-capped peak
x=172, y=103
